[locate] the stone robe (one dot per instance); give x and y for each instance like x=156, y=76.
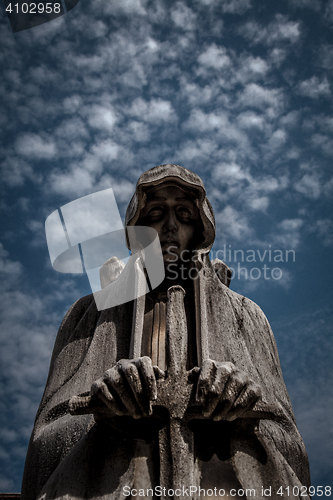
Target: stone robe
x=75, y=457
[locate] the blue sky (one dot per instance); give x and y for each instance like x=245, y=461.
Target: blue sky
x=239, y=91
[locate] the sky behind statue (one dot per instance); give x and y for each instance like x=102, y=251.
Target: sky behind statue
x=239, y=92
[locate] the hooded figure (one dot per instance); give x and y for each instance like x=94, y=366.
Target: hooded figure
x=109, y=451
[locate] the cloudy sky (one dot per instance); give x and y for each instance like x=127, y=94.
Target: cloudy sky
x=239, y=91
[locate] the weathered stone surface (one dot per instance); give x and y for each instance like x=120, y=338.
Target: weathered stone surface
x=218, y=416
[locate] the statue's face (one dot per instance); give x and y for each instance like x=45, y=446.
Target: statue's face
x=172, y=213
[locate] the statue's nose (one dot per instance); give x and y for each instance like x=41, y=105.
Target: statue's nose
x=171, y=222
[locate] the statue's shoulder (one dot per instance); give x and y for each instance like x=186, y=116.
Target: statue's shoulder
x=246, y=306
x=109, y=272
x=82, y=313
x=78, y=309
x=241, y=304
x=222, y=271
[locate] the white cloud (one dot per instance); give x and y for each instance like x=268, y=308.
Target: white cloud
x=229, y=6
x=231, y=173
x=256, y=95
x=15, y=171
x=183, y=16
x=10, y=270
x=199, y=121
x=194, y=152
x=214, y=57
x=324, y=229
x=314, y=88
x=202, y=122
x=71, y=129
x=287, y=234
x=106, y=150
x=257, y=276
x=224, y=69
x=270, y=100
x=278, y=31
x=329, y=11
x=198, y=95
x=276, y=140
x=324, y=142
x=101, y=117
x=325, y=122
x=138, y=131
x=309, y=4
x=325, y=55
x=232, y=225
x=13, y=76
x=259, y=203
x=291, y=224
x=36, y=146
x=309, y=185
x=113, y=7
x=235, y=6
x=155, y=111
x=328, y=187
x=277, y=55
x=237, y=183
x=290, y=120
x=46, y=32
x=94, y=63
x=245, y=69
x=44, y=75
x=75, y=182
x=5, y=483
x=38, y=230
x=123, y=189
x=251, y=120
x=257, y=65
x=72, y=104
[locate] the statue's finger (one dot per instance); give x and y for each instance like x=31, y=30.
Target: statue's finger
x=147, y=373
x=193, y=375
x=237, y=382
x=159, y=374
x=132, y=375
x=119, y=385
x=100, y=390
x=245, y=402
x=223, y=373
x=205, y=380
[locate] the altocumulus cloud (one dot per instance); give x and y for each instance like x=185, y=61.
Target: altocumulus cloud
x=237, y=91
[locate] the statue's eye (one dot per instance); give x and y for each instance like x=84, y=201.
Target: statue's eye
x=184, y=214
x=155, y=213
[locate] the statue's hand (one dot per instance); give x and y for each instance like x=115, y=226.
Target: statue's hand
x=224, y=391
x=128, y=388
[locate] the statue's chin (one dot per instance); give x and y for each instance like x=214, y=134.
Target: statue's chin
x=172, y=262
x=170, y=259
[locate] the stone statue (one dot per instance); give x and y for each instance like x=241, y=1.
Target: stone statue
x=177, y=390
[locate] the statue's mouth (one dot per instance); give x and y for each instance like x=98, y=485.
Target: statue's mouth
x=170, y=243
x=169, y=246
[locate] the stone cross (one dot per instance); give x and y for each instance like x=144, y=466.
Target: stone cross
x=176, y=393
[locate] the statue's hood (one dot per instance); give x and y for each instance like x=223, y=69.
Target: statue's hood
x=184, y=178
